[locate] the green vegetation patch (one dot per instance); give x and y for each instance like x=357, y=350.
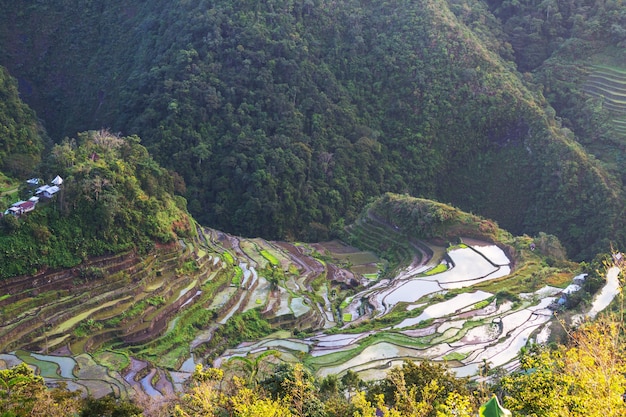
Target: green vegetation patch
x=455, y=356
x=345, y=303
x=483, y=304
x=236, y=281
x=227, y=257
x=270, y=258
x=240, y=327
x=437, y=270
x=113, y=360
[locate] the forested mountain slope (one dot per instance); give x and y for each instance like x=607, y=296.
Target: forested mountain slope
x=21, y=135
x=284, y=117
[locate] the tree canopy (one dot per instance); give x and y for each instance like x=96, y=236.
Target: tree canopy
x=284, y=118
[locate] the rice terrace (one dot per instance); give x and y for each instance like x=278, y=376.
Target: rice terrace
x=412, y=279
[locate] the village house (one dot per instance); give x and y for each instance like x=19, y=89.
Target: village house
x=41, y=189
x=45, y=191
x=57, y=181
x=20, y=208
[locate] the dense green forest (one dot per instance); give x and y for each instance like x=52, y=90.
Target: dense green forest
x=21, y=135
x=286, y=117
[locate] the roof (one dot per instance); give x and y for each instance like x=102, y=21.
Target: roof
x=571, y=288
x=27, y=205
x=52, y=190
x=57, y=180
x=42, y=189
x=33, y=181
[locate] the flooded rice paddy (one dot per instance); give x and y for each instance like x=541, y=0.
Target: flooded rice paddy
x=443, y=318
x=470, y=326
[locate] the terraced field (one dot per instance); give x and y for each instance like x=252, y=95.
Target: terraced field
x=609, y=85
x=131, y=323
x=138, y=319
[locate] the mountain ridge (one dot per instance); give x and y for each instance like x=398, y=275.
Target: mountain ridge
x=286, y=118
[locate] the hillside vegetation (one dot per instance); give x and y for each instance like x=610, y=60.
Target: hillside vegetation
x=21, y=135
x=114, y=198
x=285, y=118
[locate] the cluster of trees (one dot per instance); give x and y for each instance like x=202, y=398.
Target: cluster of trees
x=427, y=219
x=536, y=29
x=584, y=378
x=285, y=117
x=560, y=42
x=21, y=135
x=115, y=197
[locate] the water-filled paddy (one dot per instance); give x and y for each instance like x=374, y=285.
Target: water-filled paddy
x=445, y=308
x=411, y=291
x=493, y=253
x=607, y=293
x=468, y=265
x=461, y=330
x=65, y=364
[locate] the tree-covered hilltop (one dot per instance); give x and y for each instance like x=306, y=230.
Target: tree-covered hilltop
x=114, y=197
x=285, y=117
x=427, y=219
x=21, y=140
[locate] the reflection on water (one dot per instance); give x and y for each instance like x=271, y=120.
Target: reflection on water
x=607, y=293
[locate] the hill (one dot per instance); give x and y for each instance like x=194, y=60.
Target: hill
x=113, y=198
x=286, y=118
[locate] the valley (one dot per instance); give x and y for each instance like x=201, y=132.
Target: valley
x=223, y=300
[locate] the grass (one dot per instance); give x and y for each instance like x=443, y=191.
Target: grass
x=483, y=304
x=346, y=302
x=8, y=185
x=270, y=258
x=455, y=356
x=560, y=279
x=347, y=317
x=228, y=258
x=437, y=270
x=113, y=360
x=238, y=276
x=528, y=277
